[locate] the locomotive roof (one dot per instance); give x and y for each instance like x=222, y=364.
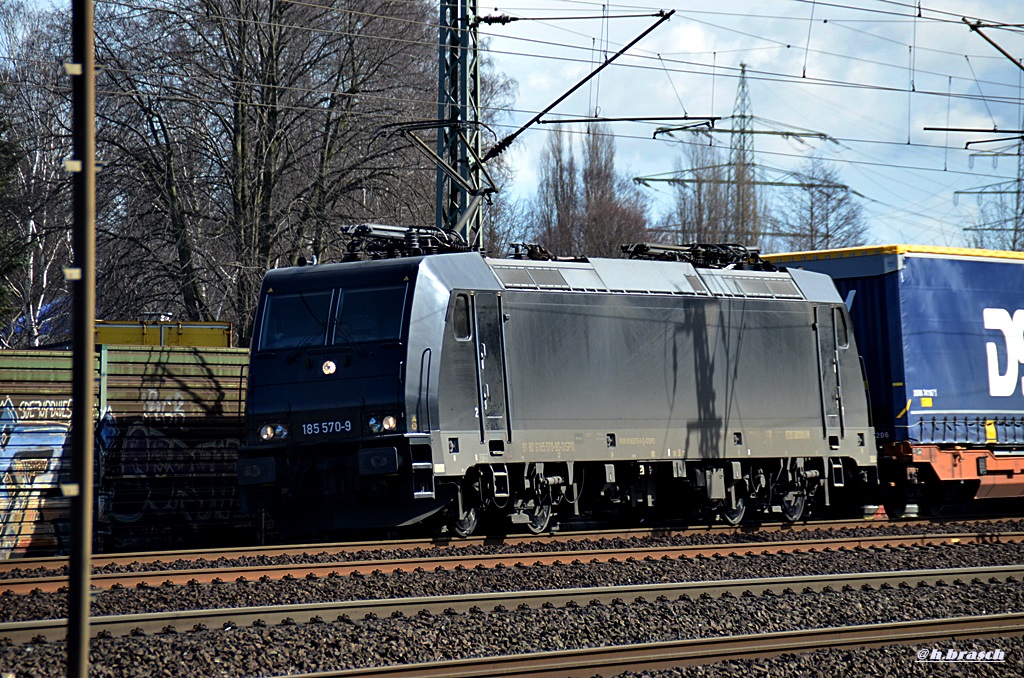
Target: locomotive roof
x=326, y=272
x=470, y=270
x=628, y=276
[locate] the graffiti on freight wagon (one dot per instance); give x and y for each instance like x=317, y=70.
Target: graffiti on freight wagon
x=156, y=404
x=166, y=407
x=31, y=458
x=161, y=477
x=40, y=410
x=148, y=451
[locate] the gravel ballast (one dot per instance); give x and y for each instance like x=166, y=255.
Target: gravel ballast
x=580, y=573
x=281, y=650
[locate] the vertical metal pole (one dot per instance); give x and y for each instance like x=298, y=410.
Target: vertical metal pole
x=473, y=143
x=82, y=277
x=447, y=110
x=458, y=86
x=461, y=86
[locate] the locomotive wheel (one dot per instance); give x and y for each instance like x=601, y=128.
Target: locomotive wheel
x=735, y=516
x=465, y=525
x=540, y=518
x=793, y=505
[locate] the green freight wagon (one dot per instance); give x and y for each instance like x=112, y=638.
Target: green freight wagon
x=169, y=421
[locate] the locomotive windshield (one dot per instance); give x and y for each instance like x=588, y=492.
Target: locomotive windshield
x=369, y=315
x=304, y=319
x=291, y=320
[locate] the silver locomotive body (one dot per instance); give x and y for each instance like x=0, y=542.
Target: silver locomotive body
x=518, y=388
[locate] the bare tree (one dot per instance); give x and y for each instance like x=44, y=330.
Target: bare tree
x=240, y=138
x=1000, y=224
x=585, y=207
x=36, y=99
x=700, y=211
x=12, y=249
x=557, y=212
x=615, y=211
x=505, y=221
x=821, y=214
x=235, y=136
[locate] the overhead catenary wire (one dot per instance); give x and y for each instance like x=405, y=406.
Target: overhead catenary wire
x=421, y=101
x=688, y=14
x=194, y=99
x=428, y=24
x=659, y=57
x=664, y=64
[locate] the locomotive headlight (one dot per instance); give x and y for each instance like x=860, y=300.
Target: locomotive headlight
x=273, y=431
x=382, y=424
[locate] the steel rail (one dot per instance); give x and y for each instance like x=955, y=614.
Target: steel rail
x=54, y=562
x=210, y=575
x=667, y=655
x=13, y=565
x=271, y=615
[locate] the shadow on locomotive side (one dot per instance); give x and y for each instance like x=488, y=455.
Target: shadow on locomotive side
x=420, y=383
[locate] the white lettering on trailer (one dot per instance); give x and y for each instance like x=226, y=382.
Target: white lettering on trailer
x=1003, y=384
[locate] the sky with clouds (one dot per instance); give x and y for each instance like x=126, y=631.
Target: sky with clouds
x=869, y=75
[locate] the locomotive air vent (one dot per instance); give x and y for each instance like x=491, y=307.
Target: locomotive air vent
x=532, y=278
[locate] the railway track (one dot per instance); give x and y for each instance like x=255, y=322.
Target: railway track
x=191, y=620
x=164, y=560
x=214, y=573
x=389, y=626
x=610, y=661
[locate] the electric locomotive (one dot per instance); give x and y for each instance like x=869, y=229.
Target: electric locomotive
x=452, y=386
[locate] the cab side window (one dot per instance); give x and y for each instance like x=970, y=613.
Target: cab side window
x=842, y=332
x=460, y=318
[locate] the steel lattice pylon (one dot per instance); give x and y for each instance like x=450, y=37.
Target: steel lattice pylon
x=745, y=222
x=459, y=186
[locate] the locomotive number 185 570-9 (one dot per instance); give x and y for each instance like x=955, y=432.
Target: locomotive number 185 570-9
x=321, y=427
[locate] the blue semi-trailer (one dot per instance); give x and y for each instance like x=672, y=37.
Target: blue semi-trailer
x=941, y=333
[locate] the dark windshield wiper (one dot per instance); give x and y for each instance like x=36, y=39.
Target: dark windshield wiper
x=308, y=339
x=350, y=343
x=306, y=342
x=297, y=351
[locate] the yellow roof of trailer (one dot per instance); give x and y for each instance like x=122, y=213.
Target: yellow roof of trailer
x=874, y=250
x=214, y=334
